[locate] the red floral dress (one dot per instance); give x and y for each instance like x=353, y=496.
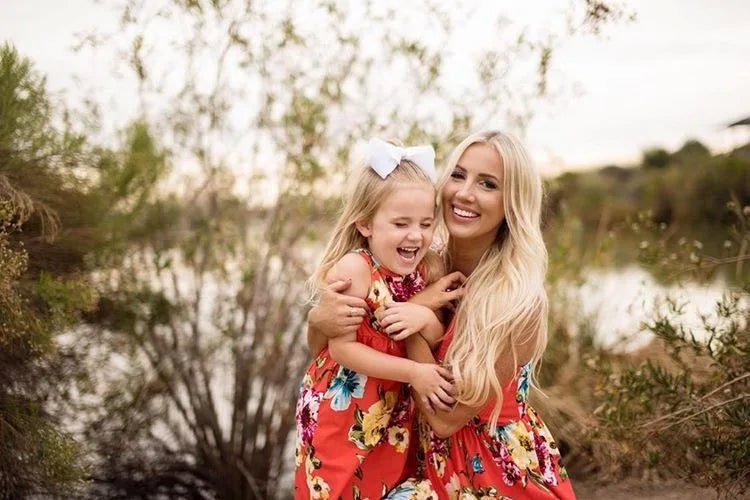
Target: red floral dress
x=520, y=461
x=353, y=430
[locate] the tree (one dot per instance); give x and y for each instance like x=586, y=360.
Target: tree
x=693, y=151
x=203, y=319
x=37, y=301
x=655, y=158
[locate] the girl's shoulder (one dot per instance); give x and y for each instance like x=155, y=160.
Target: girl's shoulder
x=356, y=267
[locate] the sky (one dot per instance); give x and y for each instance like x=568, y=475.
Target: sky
x=679, y=71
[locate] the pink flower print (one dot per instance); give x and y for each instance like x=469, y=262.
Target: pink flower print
x=306, y=415
x=511, y=471
x=545, y=461
x=403, y=288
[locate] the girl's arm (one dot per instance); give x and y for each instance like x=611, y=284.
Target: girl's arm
x=403, y=319
x=339, y=313
x=443, y=419
x=426, y=378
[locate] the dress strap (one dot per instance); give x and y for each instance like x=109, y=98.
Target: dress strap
x=369, y=258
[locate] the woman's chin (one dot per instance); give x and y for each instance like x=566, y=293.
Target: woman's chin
x=461, y=230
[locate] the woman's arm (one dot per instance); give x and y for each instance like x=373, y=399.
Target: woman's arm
x=425, y=378
x=442, y=292
x=335, y=314
x=316, y=341
x=338, y=313
x=443, y=419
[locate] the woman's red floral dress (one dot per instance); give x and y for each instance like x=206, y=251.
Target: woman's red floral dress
x=519, y=461
x=353, y=431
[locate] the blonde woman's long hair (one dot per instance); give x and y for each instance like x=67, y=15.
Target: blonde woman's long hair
x=362, y=202
x=502, y=321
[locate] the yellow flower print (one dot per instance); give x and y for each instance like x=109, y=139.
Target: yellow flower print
x=518, y=442
x=424, y=430
x=453, y=487
x=309, y=465
x=423, y=491
x=439, y=463
x=319, y=489
x=399, y=438
x=379, y=291
x=376, y=419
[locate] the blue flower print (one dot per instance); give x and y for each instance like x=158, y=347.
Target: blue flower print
x=476, y=464
x=403, y=491
x=343, y=387
x=524, y=378
x=411, y=489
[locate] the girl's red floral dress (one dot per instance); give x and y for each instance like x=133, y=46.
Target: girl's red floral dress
x=353, y=431
x=519, y=461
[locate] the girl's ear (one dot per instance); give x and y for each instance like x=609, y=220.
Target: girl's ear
x=364, y=227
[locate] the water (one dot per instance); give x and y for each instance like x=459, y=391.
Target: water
x=619, y=301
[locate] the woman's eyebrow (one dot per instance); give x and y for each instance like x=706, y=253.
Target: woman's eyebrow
x=492, y=176
x=481, y=174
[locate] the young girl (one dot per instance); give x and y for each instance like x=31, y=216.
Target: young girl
x=354, y=412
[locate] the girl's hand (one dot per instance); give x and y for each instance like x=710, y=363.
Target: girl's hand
x=337, y=314
x=433, y=384
x=403, y=319
x=442, y=292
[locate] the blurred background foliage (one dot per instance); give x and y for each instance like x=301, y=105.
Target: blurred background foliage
x=152, y=320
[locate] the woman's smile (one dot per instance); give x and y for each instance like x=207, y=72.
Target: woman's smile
x=472, y=196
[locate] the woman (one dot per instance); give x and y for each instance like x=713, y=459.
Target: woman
x=491, y=443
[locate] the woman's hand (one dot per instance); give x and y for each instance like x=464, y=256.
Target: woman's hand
x=403, y=319
x=442, y=292
x=337, y=314
x=433, y=384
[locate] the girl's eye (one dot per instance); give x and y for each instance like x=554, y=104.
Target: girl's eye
x=457, y=174
x=488, y=184
x=400, y=225
x=426, y=225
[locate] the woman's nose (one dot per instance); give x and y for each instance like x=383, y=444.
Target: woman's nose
x=465, y=192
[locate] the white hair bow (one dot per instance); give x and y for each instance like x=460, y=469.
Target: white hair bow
x=384, y=157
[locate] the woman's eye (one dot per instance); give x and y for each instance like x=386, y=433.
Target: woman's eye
x=457, y=175
x=488, y=185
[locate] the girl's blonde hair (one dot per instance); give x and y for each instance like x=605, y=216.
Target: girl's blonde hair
x=361, y=204
x=502, y=320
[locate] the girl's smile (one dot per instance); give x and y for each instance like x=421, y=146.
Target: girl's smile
x=400, y=233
